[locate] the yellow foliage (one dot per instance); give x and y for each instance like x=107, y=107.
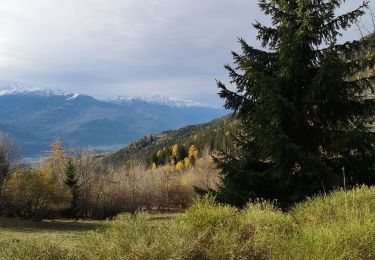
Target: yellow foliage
x=180, y=166
x=187, y=162
x=57, y=151
x=56, y=161
x=175, y=150
x=34, y=191
x=193, y=151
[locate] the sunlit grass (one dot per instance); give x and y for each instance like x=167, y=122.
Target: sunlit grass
x=337, y=226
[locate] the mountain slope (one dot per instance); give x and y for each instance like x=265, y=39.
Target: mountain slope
x=212, y=135
x=35, y=118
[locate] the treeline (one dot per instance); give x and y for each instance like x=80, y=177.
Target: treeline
x=79, y=185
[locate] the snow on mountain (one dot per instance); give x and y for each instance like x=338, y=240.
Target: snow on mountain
x=22, y=90
x=18, y=89
x=35, y=117
x=161, y=100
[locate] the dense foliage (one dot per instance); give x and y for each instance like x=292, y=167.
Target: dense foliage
x=305, y=106
x=33, y=193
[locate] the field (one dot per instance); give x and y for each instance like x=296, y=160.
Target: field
x=66, y=233
x=336, y=226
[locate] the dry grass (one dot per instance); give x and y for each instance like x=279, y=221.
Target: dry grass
x=338, y=226
x=66, y=233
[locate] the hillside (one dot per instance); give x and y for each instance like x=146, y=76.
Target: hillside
x=213, y=135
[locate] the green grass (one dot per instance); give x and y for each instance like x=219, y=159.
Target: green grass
x=338, y=226
x=68, y=234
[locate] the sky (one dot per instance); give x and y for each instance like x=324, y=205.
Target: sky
x=108, y=48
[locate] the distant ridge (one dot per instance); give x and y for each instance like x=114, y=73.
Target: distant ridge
x=35, y=117
x=161, y=100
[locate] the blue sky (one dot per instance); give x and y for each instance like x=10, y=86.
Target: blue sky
x=126, y=47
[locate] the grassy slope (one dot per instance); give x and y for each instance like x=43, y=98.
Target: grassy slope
x=337, y=226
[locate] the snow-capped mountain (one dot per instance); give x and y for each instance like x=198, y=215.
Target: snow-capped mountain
x=160, y=100
x=21, y=90
x=35, y=117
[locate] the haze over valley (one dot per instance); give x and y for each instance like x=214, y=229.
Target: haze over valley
x=35, y=117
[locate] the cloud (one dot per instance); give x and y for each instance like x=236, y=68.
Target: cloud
x=120, y=47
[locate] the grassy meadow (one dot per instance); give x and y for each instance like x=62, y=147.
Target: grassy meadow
x=336, y=226
x=67, y=234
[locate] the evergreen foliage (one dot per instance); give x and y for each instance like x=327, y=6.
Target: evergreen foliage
x=304, y=105
x=71, y=182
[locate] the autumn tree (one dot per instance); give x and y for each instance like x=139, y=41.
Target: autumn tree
x=303, y=104
x=193, y=154
x=33, y=193
x=88, y=171
x=57, y=160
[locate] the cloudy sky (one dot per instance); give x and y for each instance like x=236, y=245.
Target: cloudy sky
x=125, y=47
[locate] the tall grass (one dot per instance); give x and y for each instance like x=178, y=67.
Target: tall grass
x=337, y=226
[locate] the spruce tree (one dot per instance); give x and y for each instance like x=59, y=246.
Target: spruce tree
x=304, y=105
x=71, y=182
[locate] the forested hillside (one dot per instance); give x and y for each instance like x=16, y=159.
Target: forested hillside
x=213, y=135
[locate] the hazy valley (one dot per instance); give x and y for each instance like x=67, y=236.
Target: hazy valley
x=34, y=118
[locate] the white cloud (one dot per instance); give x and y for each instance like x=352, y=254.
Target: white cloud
x=173, y=47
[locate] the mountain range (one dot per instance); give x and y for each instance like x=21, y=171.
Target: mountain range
x=35, y=117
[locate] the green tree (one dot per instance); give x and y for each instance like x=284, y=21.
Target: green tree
x=71, y=182
x=303, y=105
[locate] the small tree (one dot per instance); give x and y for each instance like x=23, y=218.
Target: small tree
x=303, y=104
x=57, y=160
x=8, y=157
x=71, y=182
